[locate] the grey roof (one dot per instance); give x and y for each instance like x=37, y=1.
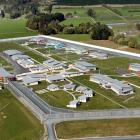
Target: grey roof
x=26, y=62
x=74, y=102
x=85, y=64
x=69, y=86
x=55, y=77
x=52, y=86
x=88, y=92
x=135, y=65
x=99, y=54
x=39, y=67
x=29, y=80
x=119, y=85
x=81, y=88
x=37, y=76
x=4, y=73
x=83, y=97
x=12, y=52
x=53, y=63
x=19, y=56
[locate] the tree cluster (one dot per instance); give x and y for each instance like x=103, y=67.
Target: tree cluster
x=101, y=32
x=123, y=40
x=46, y=23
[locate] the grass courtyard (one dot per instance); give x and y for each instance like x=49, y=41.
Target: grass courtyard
x=16, y=122
x=98, y=128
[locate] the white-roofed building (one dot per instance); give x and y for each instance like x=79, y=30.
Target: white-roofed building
x=88, y=93
x=53, y=87
x=81, y=89
x=39, y=68
x=54, y=64
x=55, y=78
x=73, y=104
x=134, y=67
x=28, y=63
x=82, y=99
x=37, y=40
x=29, y=81
x=84, y=66
x=120, y=87
x=69, y=87
x=98, y=55
x=72, y=74
x=12, y=52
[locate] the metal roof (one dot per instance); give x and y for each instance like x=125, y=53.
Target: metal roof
x=85, y=64
x=19, y=56
x=12, y=52
x=55, y=77
x=4, y=73
x=29, y=80
x=52, y=86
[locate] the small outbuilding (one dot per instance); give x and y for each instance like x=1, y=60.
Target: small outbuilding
x=53, y=87
x=82, y=99
x=69, y=87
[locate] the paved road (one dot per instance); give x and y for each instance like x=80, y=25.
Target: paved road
x=58, y=115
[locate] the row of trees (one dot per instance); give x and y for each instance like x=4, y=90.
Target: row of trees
x=123, y=40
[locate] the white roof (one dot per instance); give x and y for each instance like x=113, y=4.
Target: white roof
x=81, y=88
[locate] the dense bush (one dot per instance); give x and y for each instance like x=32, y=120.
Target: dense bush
x=101, y=32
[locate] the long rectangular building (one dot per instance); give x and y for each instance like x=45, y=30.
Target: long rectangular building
x=120, y=87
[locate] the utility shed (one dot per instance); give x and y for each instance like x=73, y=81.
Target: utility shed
x=28, y=81
x=84, y=66
x=53, y=87
x=55, y=78
x=12, y=52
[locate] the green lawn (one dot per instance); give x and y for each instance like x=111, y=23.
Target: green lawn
x=75, y=37
x=16, y=122
x=77, y=21
x=98, y=128
x=10, y=28
x=134, y=102
x=109, y=66
x=57, y=98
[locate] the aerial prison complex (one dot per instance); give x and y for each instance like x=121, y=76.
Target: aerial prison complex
x=57, y=74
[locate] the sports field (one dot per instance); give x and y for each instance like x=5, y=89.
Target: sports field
x=16, y=122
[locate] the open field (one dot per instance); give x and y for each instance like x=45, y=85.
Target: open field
x=14, y=28
x=109, y=66
x=17, y=123
x=98, y=128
